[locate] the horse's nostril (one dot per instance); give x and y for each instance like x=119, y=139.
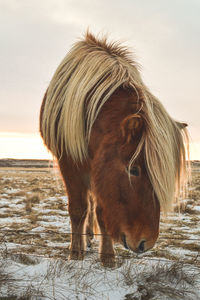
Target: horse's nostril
x=141, y=246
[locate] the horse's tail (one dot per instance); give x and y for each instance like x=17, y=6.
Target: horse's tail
x=83, y=82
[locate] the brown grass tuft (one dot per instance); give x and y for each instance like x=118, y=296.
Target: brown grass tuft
x=161, y=281
x=33, y=218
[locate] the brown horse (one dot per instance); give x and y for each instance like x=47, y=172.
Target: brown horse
x=119, y=151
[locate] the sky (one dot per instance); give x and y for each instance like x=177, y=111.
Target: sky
x=36, y=34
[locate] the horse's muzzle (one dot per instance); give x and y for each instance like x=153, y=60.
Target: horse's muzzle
x=139, y=249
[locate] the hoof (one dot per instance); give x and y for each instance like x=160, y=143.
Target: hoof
x=108, y=260
x=76, y=255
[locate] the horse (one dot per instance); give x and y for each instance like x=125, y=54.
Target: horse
x=122, y=157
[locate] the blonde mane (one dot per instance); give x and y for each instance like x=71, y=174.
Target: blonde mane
x=90, y=73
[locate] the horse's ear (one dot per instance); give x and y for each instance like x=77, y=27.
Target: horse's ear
x=131, y=126
x=181, y=125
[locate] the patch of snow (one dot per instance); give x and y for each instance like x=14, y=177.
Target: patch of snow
x=197, y=208
x=190, y=230
x=54, y=218
x=13, y=220
x=56, y=244
x=53, y=198
x=178, y=217
x=64, y=198
x=62, y=225
x=181, y=253
x=37, y=229
x=59, y=279
x=192, y=239
x=11, y=190
x=4, y=201
x=10, y=246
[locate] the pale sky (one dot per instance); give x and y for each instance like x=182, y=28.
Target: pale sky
x=36, y=34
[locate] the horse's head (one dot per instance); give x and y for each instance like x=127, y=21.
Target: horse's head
x=130, y=207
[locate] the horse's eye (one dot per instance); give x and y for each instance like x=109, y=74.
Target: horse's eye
x=135, y=171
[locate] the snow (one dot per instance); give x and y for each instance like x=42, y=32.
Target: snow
x=37, y=229
x=12, y=220
x=181, y=253
x=133, y=278
x=11, y=190
x=197, y=208
x=63, y=225
x=59, y=279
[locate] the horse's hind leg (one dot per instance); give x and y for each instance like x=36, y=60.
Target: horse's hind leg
x=90, y=221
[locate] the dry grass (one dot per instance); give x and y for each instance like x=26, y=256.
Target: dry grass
x=33, y=218
x=32, y=199
x=24, y=259
x=162, y=281
x=35, y=188
x=28, y=206
x=38, y=199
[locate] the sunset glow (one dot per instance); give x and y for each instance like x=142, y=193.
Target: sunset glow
x=22, y=146
x=30, y=146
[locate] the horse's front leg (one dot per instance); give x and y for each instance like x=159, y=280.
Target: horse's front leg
x=106, y=250
x=78, y=207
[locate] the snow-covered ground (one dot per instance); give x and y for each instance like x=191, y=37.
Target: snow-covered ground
x=134, y=279
x=34, y=248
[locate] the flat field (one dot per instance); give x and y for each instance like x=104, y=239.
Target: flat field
x=35, y=235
